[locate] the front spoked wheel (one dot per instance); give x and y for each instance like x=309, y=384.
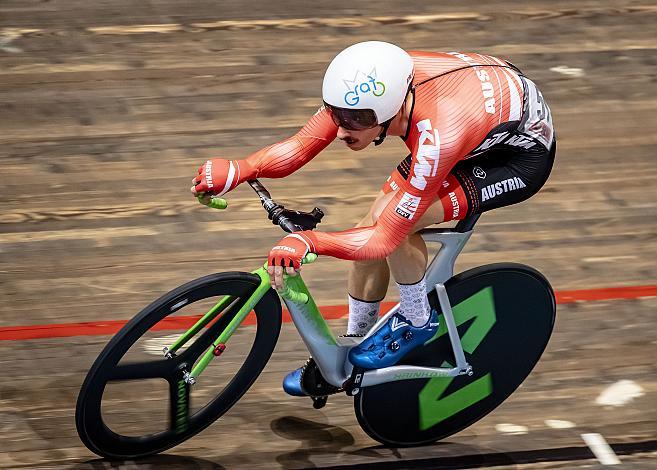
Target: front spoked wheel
x=133, y=403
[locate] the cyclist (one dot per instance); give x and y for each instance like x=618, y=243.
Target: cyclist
x=480, y=136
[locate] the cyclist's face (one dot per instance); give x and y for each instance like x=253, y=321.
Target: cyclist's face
x=358, y=140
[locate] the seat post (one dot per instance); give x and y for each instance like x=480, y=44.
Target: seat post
x=467, y=224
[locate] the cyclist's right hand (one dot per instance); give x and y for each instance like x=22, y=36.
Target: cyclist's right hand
x=218, y=176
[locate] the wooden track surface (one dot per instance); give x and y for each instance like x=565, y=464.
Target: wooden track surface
x=108, y=108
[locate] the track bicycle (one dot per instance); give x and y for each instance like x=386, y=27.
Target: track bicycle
x=495, y=322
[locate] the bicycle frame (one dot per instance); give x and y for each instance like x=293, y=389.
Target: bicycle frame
x=329, y=352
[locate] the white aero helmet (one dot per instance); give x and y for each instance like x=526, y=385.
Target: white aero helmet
x=365, y=85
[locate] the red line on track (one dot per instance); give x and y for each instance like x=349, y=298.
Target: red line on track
x=61, y=330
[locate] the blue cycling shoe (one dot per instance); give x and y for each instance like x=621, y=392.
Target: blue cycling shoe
x=292, y=383
x=307, y=381
x=392, y=342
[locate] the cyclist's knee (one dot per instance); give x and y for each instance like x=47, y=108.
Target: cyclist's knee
x=366, y=221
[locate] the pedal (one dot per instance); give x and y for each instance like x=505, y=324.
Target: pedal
x=314, y=384
x=353, y=384
x=319, y=402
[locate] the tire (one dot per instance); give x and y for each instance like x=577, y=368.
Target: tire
x=505, y=315
x=93, y=430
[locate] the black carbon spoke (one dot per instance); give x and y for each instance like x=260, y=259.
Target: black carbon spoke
x=163, y=368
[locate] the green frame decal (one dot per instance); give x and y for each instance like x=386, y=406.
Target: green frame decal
x=181, y=412
x=295, y=290
x=433, y=406
x=307, y=307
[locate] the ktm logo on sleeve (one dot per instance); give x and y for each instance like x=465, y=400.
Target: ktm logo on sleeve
x=428, y=152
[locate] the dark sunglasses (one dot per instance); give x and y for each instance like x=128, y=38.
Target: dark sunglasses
x=352, y=119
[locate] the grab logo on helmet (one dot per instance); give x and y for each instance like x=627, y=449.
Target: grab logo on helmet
x=376, y=75
x=363, y=84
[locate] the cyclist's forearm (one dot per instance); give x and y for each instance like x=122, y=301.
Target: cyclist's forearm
x=393, y=225
x=286, y=157
x=363, y=243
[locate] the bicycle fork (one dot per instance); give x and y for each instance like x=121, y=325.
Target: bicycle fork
x=219, y=345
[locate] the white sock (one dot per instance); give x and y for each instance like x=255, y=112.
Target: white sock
x=413, y=302
x=362, y=316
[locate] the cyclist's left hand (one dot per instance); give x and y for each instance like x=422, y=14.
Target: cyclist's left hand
x=287, y=254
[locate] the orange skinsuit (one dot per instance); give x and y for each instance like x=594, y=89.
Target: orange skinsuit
x=459, y=99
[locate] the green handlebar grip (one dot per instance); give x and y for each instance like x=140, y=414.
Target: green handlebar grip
x=218, y=203
x=309, y=258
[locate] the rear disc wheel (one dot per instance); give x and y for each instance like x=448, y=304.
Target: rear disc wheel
x=504, y=315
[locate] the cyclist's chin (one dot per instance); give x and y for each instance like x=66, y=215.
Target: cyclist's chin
x=357, y=145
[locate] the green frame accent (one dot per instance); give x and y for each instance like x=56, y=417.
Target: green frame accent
x=260, y=291
x=294, y=290
x=297, y=292
x=435, y=407
x=432, y=405
x=480, y=307
x=201, y=323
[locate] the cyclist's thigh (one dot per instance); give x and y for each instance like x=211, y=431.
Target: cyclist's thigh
x=388, y=190
x=451, y=202
x=433, y=214
x=499, y=177
x=377, y=206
